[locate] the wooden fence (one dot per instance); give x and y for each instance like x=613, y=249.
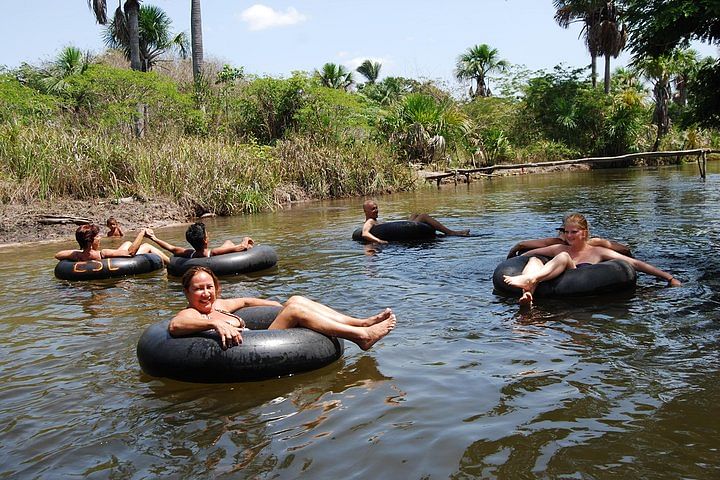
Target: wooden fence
x=701, y=153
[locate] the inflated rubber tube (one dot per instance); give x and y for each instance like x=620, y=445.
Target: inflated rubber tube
x=262, y=354
x=108, y=267
x=400, y=231
x=257, y=258
x=604, y=277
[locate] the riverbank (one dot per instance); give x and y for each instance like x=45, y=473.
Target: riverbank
x=26, y=223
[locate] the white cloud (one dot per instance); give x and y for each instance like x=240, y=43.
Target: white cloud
x=260, y=17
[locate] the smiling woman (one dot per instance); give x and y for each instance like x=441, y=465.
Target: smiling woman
x=209, y=341
x=206, y=310
x=576, y=253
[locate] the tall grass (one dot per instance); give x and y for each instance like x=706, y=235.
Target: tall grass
x=41, y=162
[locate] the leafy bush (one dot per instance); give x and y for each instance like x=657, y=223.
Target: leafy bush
x=19, y=103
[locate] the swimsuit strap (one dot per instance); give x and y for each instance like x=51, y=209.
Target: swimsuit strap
x=242, y=322
x=227, y=313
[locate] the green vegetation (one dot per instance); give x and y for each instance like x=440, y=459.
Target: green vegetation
x=219, y=139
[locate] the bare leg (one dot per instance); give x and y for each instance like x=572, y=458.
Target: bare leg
x=125, y=246
x=302, y=312
x=146, y=248
x=535, y=272
x=425, y=218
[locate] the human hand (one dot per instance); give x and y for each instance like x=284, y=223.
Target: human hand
x=229, y=334
x=149, y=233
x=248, y=242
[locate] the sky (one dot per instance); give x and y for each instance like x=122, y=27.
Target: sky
x=417, y=39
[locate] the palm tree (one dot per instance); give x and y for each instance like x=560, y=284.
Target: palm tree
x=687, y=64
x=369, y=70
x=334, y=76
x=659, y=70
x=154, y=33
x=568, y=12
x=475, y=64
x=609, y=35
x=53, y=79
x=422, y=127
x=126, y=20
x=196, y=36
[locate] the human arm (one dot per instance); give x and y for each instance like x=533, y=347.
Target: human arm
x=229, y=247
x=639, y=265
x=232, y=304
x=66, y=255
x=612, y=245
x=525, y=245
x=178, y=251
x=549, y=251
x=191, y=321
x=366, y=235
x=121, y=252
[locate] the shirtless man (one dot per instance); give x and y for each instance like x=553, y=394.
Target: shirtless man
x=89, y=241
x=370, y=208
x=196, y=235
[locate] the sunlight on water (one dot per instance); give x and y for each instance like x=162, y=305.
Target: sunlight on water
x=466, y=386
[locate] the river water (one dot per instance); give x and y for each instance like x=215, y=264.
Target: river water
x=467, y=386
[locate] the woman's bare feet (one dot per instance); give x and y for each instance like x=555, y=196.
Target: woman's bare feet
x=526, y=299
x=376, y=332
x=384, y=315
x=521, y=281
x=459, y=233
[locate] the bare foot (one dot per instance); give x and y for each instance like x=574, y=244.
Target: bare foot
x=376, y=332
x=384, y=315
x=526, y=299
x=521, y=281
x=459, y=233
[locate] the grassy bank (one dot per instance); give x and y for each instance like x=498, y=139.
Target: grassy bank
x=234, y=144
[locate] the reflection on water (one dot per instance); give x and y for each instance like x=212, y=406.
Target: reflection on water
x=466, y=386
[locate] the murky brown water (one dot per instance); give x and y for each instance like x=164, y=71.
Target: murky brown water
x=466, y=387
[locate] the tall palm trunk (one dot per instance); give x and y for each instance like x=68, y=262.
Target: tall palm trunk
x=132, y=10
x=607, y=73
x=593, y=68
x=661, y=116
x=197, y=41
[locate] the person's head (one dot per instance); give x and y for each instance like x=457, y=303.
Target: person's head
x=200, y=284
x=370, y=208
x=197, y=236
x=86, y=235
x=111, y=223
x=576, y=224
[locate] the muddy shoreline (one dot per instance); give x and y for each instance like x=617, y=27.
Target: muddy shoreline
x=23, y=223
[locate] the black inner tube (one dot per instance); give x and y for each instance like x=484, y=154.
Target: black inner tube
x=108, y=267
x=260, y=257
x=400, y=231
x=263, y=353
x=605, y=277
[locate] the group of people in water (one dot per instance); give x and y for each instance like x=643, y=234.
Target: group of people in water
x=572, y=248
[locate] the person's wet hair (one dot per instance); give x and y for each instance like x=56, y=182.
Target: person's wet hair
x=579, y=220
x=110, y=222
x=188, y=276
x=195, y=235
x=85, y=234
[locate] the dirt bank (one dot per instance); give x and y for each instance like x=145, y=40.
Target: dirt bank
x=20, y=223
